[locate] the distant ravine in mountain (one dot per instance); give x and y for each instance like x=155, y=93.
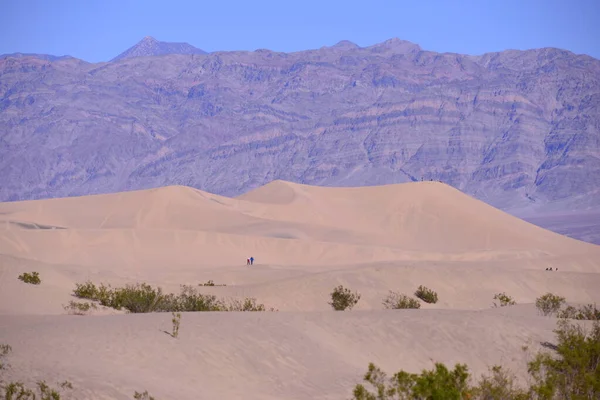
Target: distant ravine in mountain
x=517, y=129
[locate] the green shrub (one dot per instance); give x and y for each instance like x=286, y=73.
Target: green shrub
x=503, y=300
x=31, y=278
x=191, y=300
x=436, y=384
x=573, y=370
x=549, y=304
x=588, y=312
x=343, y=299
x=499, y=385
x=397, y=301
x=426, y=294
x=77, y=308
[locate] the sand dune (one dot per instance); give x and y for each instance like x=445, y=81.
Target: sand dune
x=306, y=240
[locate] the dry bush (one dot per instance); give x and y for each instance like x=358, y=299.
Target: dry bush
x=79, y=308
x=504, y=300
x=549, y=304
x=398, y=301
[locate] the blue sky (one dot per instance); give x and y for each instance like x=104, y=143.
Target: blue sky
x=96, y=30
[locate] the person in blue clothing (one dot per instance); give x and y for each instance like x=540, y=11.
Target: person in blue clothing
x=251, y=260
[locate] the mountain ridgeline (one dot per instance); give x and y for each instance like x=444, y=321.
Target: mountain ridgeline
x=515, y=129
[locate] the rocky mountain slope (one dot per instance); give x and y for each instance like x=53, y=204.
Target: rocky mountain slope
x=515, y=128
x=149, y=46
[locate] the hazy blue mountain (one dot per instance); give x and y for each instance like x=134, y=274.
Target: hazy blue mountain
x=149, y=46
x=517, y=129
x=48, y=57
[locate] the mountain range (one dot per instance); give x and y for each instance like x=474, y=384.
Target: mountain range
x=517, y=129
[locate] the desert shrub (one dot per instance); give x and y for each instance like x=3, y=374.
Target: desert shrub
x=142, y=396
x=503, y=300
x=573, y=371
x=499, y=385
x=549, y=304
x=77, y=308
x=86, y=290
x=343, y=299
x=4, y=351
x=190, y=300
x=211, y=283
x=426, y=294
x=588, y=312
x=438, y=383
x=249, y=304
x=138, y=298
x=31, y=278
x=397, y=301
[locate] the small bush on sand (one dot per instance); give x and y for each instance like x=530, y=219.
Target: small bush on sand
x=4, y=351
x=426, y=294
x=343, y=299
x=549, y=304
x=589, y=312
x=397, y=301
x=79, y=308
x=176, y=322
x=31, y=278
x=190, y=299
x=503, y=300
x=248, y=304
x=142, y=396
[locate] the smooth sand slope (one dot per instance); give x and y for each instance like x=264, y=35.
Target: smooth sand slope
x=305, y=240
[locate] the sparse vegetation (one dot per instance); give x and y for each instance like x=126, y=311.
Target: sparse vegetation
x=503, y=300
x=343, y=299
x=588, y=312
x=211, y=283
x=79, y=308
x=4, y=351
x=31, y=278
x=397, y=301
x=571, y=372
x=426, y=294
x=18, y=390
x=549, y=304
x=142, y=396
x=143, y=298
x=176, y=322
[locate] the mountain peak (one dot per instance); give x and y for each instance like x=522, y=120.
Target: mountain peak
x=149, y=46
x=396, y=45
x=345, y=44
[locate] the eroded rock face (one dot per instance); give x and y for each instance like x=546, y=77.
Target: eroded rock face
x=515, y=128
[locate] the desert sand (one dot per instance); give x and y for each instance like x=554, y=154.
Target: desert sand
x=305, y=240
